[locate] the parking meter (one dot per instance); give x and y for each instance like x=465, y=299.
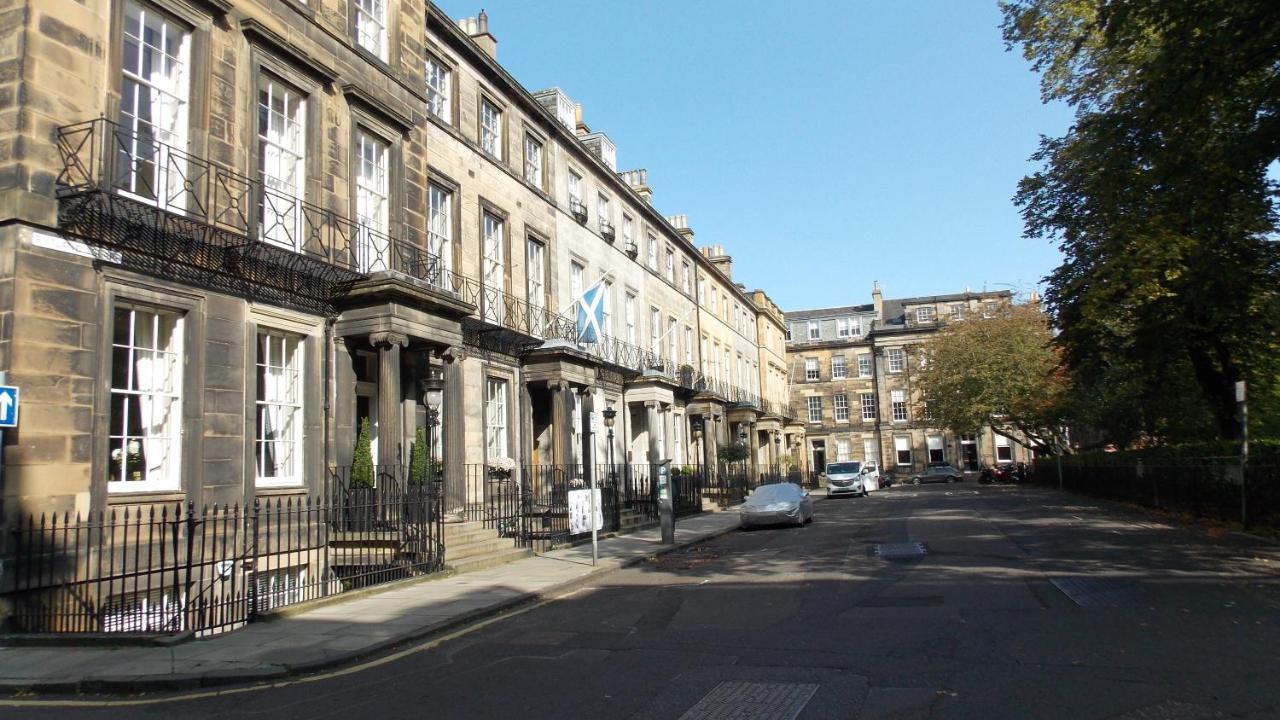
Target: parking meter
x=666, y=512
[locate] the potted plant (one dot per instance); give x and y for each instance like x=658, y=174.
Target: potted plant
x=686, y=375
x=131, y=456
x=500, y=468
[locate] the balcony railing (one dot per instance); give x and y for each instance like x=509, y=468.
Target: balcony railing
x=607, y=231
x=578, y=209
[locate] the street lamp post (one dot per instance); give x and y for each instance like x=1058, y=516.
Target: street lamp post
x=777, y=453
x=432, y=396
x=742, y=440
x=695, y=434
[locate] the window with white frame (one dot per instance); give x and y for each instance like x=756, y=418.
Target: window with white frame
x=532, y=160
x=843, y=327
x=870, y=451
x=495, y=418
x=607, y=301
x=898, y=403
x=575, y=283
x=653, y=253
x=814, y=332
x=437, y=77
x=371, y=26
x=626, y=231
x=844, y=450
x=707, y=360
x=936, y=448
x=671, y=266
x=1004, y=449
x=280, y=587
x=897, y=360
x=957, y=312
x=535, y=282
x=494, y=268
x=372, y=203
x=603, y=214
x=815, y=409
x=842, y=407
x=576, y=205
x=688, y=346
x=864, y=365
x=629, y=316
x=282, y=142
x=702, y=291
x=868, y=406
x=839, y=368
x=439, y=233
x=715, y=293
x=672, y=337
x=154, y=101
x=278, y=455
x=902, y=449
x=786, y=334
x=655, y=331
x=686, y=275
x=926, y=314
x=988, y=309
x=811, y=371
x=490, y=129
x=727, y=366
x=145, y=430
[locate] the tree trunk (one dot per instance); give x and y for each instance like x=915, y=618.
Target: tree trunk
x=1217, y=383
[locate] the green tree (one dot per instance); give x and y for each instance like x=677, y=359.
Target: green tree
x=1160, y=200
x=1000, y=372
x=362, y=464
x=418, y=459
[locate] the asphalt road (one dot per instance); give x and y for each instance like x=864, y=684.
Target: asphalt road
x=1027, y=604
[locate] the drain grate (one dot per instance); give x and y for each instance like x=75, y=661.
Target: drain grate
x=1100, y=592
x=898, y=551
x=733, y=700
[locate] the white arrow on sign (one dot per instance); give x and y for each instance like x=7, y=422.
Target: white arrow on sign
x=6, y=403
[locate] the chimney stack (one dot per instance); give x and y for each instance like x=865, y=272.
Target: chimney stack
x=639, y=181
x=724, y=263
x=478, y=28
x=877, y=300
x=681, y=224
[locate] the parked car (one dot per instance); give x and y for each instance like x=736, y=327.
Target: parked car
x=845, y=478
x=938, y=472
x=871, y=477
x=777, y=503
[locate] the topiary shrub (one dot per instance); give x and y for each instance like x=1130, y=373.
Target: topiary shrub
x=362, y=463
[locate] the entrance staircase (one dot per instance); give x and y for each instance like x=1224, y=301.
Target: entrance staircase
x=470, y=546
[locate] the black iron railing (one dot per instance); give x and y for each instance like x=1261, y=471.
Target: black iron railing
x=172, y=568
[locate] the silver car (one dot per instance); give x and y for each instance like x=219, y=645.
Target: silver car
x=777, y=503
x=845, y=478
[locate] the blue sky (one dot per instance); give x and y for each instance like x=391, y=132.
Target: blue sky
x=824, y=144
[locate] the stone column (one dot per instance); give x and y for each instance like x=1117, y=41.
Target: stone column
x=390, y=427
x=453, y=427
x=753, y=442
x=586, y=400
x=561, y=422
x=344, y=404
x=651, y=422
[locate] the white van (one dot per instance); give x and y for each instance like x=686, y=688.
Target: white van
x=845, y=478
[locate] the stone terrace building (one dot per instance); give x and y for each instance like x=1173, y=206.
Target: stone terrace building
x=235, y=229
x=853, y=371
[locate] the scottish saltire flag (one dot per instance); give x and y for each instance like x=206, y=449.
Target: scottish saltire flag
x=591, y=314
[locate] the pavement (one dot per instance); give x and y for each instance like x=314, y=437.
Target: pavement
x=339, y=630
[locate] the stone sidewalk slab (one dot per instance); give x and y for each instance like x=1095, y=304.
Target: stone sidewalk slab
x=338, y=631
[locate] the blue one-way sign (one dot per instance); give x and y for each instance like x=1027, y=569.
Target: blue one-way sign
x=8, y=406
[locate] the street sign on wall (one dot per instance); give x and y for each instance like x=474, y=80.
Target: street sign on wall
x=8, y=406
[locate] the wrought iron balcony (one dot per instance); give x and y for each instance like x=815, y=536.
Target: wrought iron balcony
x=577, y=209
x=606, y=231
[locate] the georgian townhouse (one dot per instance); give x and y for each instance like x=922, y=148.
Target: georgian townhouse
x=854, y=372
x=257, y=250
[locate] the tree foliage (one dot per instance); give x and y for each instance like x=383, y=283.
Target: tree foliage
x=1160, y=199
x=1000, y=371
x=362, y=463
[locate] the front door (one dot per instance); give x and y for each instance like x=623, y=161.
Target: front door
x=819, y=456
x=367, y=409
x=969, y=452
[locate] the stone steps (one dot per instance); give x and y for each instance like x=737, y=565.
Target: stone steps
x=470, y=546
x=480, y=562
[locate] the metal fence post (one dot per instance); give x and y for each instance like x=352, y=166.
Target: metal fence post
x=252, y=560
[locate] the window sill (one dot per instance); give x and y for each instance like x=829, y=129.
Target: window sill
x=269, y=489
x=132, y=495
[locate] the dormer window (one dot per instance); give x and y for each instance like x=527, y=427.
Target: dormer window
x=814, y=332
x=925, y=315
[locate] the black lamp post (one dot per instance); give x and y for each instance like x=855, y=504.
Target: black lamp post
x=609, y=415
x=777, y=453
x=432, y=397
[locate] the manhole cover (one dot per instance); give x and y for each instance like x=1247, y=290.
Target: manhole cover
x=1099, y=592
x=752, y=701
x=893, y=551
